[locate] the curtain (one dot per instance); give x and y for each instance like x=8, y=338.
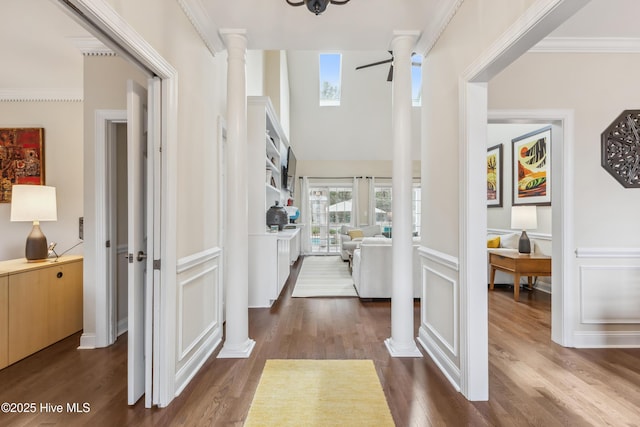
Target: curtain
x=355, y=202
x=305, y=216
x=372, y=201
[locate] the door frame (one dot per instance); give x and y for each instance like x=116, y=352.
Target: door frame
x=97, y=17
x=541, y=18
x=105, y=195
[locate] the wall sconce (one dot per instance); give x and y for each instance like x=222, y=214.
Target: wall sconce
x=34, y=203
x=523, y=218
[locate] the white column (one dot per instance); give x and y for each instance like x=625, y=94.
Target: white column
x=237, y=342
x=402, y=343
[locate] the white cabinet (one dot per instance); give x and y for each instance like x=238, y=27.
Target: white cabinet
x=269, y=265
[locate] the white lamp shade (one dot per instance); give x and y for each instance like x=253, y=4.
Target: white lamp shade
x=33, y=203
x=524, y=217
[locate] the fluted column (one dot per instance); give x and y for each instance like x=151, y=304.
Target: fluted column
x=402, y=343
x=237, y=342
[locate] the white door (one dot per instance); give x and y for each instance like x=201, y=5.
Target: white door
x=137, y=240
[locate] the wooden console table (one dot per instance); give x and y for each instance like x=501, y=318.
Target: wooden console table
x=518, y=264
x=40, y=304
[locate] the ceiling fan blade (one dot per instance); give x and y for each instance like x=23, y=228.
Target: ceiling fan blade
x=390, y=75
x=386, y=61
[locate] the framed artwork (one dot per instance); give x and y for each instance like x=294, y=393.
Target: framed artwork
x=494, y=176
x=531, y=155
x=21, y=159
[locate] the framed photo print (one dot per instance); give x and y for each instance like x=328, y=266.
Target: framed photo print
x=494, y=176
x=21, y=159
x=532, y=168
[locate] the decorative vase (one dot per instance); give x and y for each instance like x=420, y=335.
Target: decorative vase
x=277, y=215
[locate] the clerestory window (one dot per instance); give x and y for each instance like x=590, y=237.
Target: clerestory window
x=330, y=79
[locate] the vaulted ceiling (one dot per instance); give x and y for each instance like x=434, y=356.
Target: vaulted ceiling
x=36, y=34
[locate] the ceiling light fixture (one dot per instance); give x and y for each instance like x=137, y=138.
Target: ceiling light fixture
x=317, y=6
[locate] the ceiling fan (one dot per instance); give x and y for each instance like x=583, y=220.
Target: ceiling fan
x=388, y=61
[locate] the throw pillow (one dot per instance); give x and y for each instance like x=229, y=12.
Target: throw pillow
x=510, y=240
x=493, y=243
x=356, y=234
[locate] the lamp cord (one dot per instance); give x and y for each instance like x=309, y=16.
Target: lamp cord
x=58, y=256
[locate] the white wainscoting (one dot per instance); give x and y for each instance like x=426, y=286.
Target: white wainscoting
x=439, y=332
x=608, y=297
x=609, y=294
x=200, y=326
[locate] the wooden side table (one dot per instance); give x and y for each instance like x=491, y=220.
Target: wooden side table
x=518, y=264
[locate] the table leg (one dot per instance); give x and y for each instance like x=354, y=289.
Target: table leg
x=516, y=287
x=530, y=283
x=492, y=278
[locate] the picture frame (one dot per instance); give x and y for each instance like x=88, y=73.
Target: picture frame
x=531, y=168
x=21, y=159
x=494, y=176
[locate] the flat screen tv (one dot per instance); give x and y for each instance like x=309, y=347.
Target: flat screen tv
x=289, y=171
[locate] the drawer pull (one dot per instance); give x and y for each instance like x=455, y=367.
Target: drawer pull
x=59, y=275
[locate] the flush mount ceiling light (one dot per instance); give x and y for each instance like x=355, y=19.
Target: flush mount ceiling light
x=317, y=6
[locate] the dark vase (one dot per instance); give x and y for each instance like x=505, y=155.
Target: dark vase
x=277, y=215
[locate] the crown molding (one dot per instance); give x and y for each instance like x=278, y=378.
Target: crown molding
x=91, y=46
x=203, y=24
x=431, y=36
x=40, y=95
x=587, y=45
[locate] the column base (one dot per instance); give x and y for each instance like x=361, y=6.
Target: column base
x=237, y=352
x=406, y=351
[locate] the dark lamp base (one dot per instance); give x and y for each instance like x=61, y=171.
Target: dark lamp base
x=36, y=248
x=524, y=244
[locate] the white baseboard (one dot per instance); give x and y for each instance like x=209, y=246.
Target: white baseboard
x=446, y=365
x=190, y=369
x=613, y=339
x=87, y=341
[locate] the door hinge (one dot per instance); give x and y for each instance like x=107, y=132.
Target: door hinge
x=130, y=258
x=108, y=244
x=156, y=264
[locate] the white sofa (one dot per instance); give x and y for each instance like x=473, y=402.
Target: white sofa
x=372, y=268
x=347, y=243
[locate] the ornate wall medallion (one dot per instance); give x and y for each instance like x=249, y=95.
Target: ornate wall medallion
x=620, y=149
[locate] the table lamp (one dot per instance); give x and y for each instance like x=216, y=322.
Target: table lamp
x=34, y=203
x=523, y=218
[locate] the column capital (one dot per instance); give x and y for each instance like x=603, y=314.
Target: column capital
x=234, y=37
x=404, y=36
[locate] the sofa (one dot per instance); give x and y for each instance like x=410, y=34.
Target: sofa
x=372, y=268
x=350, y=237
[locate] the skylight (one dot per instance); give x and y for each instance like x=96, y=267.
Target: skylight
x=416, y=80
x=330, y=78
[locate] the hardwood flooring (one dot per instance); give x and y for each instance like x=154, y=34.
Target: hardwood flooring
x=533, y=382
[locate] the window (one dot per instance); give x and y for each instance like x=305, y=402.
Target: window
x=330, y=208
x=383, y=205
x=416, y=80
x=330, y=78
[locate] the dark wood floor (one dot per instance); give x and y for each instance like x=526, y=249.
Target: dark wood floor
x=532, y=380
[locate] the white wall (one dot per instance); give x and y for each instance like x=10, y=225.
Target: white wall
x=62, y=123
x=500, y=217
x=358, y=129
x=476, y=25
x=598, y=87
x=201, y=100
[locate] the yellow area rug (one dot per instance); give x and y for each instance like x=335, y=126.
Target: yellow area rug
x=319, y=393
